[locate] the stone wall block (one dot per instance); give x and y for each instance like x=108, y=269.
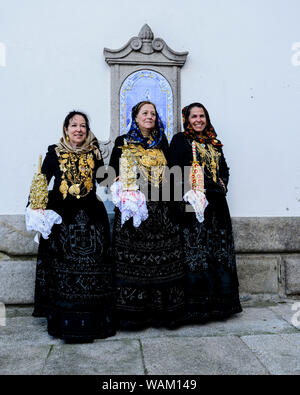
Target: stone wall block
x=267, y=234
x=258, y=274
x=268, y=257
x=17, y=280
x=14, y=238
x=252, y=235
x=292, y=274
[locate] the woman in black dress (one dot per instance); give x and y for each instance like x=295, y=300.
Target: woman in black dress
x=147, y=253
x=74, y=273
x=211, y=282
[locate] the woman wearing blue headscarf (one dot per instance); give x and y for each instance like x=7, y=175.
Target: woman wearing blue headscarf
x=146, y=241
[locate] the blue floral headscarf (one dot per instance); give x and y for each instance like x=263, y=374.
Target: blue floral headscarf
x=135, y=135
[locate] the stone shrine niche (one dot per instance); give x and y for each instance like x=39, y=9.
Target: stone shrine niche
x=144, y=69
x=146, y=85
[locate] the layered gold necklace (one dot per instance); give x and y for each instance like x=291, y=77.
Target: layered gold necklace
x=209, y=157
x=151, y=162
x=77, y=169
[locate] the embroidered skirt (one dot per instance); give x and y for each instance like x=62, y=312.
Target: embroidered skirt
x=74, y=287
x=149, y=270
x=211, y=282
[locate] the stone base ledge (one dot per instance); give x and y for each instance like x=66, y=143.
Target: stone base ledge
x=252, y=235
x=268, y=257
x=267, y=234
x=272, y=276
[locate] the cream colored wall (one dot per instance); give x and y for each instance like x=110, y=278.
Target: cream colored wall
x=243, y=64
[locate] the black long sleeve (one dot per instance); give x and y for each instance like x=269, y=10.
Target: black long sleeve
x=177, y=151
x=49, y=165
x=223, y=169
x=164, y=146
x=116, y=153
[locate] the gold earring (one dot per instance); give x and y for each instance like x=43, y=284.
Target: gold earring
x=67, y=138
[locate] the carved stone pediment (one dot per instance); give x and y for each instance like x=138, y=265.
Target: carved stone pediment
x=145, y=44
x=144, y=57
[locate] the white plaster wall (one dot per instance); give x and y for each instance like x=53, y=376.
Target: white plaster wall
x=240, y=66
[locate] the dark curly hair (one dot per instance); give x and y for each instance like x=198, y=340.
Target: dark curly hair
x=71, y=115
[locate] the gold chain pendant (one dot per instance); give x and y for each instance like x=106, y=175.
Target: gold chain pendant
x=151, y=162
x=209, y=159
x=64, y=188
x=79, y=179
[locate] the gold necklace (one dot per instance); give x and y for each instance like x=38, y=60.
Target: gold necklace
x=151, y=162
x=77, y=170
x=209, y=159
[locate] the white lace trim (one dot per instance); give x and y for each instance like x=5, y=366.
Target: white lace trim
x=41, y=221
x=199, y=202
x=130, y=203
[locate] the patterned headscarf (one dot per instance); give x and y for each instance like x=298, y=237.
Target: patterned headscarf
x=135, y=135
x=210, y=136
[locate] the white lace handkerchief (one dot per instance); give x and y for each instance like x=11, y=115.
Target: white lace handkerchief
x=41, y=221
x=199, y=202
x=130, y=203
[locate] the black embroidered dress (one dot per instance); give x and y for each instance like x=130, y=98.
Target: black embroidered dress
x=74, y=272
x=211, y=282
x=149, y=264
